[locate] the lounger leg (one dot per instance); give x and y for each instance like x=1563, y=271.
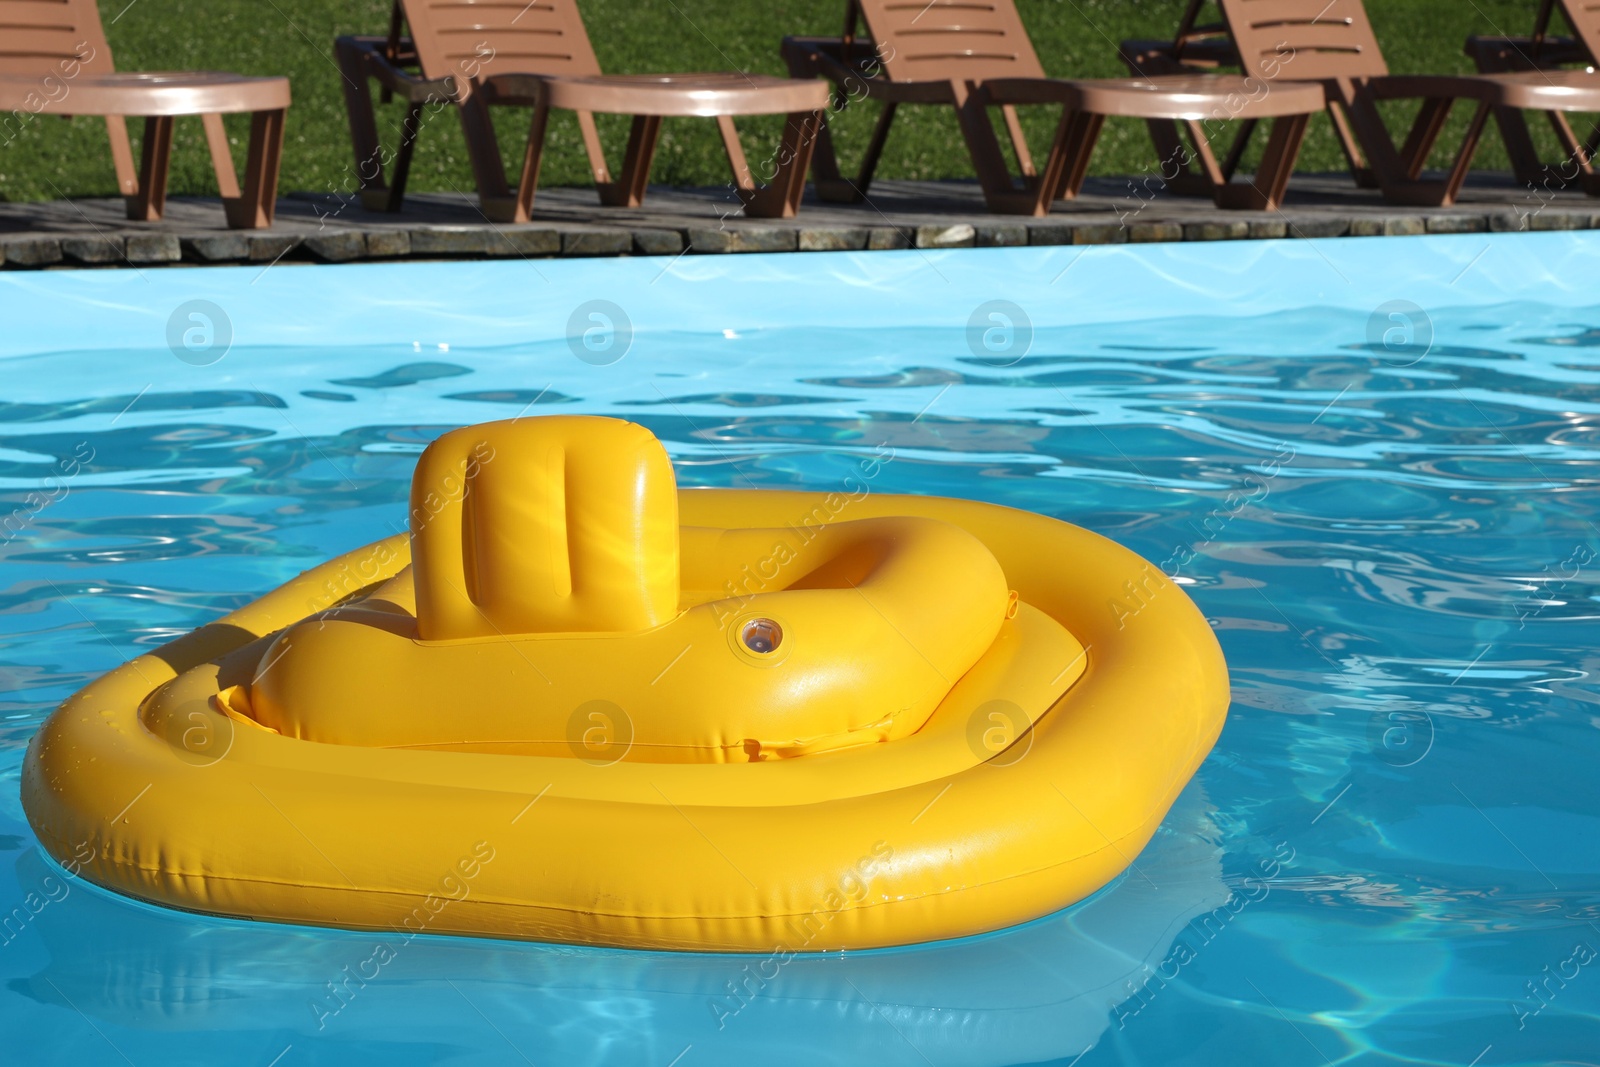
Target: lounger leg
x=832, y=187
x=155, y=155
x=1265, y=193
x=999, y=191
x=1575, y=150
x=256, y=206
x=532, y=156
x=742, y=178
x=629, y=188
x=375, y=192
x=1575, y=166
x=1400, y=185
x=221, y=157
x=869, y=161
x=488, y=168
x=1180, y=178
x=596, y=151
x=410, y=128
x=1210, y=169
x=1068, y=162
x=1362, y=174
x=1284, y=142
x=122, y=155
x=781, y=198
x=1424, y=134
x=1175, y=157
x=1519, y=145
x=1390, y=168
x=1469, y=145
x=1019, y=141
x=1241, y=141
x=829, y=182
x=1588, y=175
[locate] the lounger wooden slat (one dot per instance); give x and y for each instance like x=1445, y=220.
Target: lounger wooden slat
x=35, y=16
x=33, y=44
x=974, y=55
x=479, y=55
x=532, y=23
x=38, y=13
x=979, y=39
x=1584, y=18
x=37, y=36
x=445, y=33
x=1310, y=42
x=54, y=59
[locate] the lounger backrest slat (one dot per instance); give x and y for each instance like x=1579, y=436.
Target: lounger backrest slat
x=945, y=40
x=484, y=37
x=1584, y=18
x=1307, y=40
x=52, y=39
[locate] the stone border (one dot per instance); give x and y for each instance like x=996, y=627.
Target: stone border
x=29, y=251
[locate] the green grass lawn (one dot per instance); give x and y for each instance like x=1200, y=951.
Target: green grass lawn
x=55, y=157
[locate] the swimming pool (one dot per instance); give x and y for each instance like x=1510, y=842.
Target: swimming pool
x=1370, y=462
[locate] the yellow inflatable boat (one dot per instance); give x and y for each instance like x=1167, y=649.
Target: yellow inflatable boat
x=576, y=704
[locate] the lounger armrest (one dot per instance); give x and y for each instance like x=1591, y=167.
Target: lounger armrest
x=1430, y=86
x=1147, y=57
x=1493, y=53
x=393, y=74
x=1537, y=90
x=999, y=91
x=405, y=47
x=1202, y=51
x=825, y=56
x=1197, y=97
x=516, y=90
x=151, y=94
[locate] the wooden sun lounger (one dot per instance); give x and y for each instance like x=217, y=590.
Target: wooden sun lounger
x=972, y=57
x=54, y=60
x=1543, y=51
x=1331, y=42
x=478, y=56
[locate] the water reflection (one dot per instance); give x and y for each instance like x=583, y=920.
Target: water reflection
x=1400, y=563
x=1041, y=992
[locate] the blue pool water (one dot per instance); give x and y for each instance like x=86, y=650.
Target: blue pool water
x=1372, y=463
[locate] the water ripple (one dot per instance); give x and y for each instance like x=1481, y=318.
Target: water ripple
x=1398, y=552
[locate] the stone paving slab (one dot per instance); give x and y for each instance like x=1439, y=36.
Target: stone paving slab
x=898, y=215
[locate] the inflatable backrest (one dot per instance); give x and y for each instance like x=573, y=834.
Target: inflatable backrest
x=559, y=524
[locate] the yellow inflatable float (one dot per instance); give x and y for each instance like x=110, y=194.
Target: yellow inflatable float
x=576, y=704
